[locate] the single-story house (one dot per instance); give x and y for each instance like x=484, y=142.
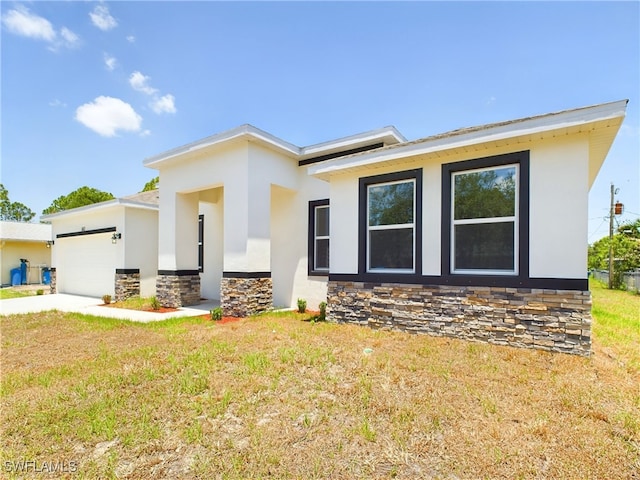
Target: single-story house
x=28, y=241
x=112, y=240
x=456, y=234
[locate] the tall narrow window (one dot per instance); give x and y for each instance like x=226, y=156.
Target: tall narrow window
x=201, y=243
x=391, y=227
x=319, y=237
x=484, y=232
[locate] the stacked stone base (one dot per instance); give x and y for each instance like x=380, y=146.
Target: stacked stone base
x=241, y=297
x=127, y=284
x=553, y=320
x=53, y=284
x=178, y=290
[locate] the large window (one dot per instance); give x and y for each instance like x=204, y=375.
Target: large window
x=391, y=226
x=319, y=237
x=390, y=214
x=485, y=218
x=485, y=223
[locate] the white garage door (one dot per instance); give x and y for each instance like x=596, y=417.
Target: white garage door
x=85, y=265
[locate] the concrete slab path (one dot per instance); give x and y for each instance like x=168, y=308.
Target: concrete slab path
x=92, y=306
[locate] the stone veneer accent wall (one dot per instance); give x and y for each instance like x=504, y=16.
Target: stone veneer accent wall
x=178, y=289
x=553, y=320
x=53, y=284
x=127, y=284
x=241, y=296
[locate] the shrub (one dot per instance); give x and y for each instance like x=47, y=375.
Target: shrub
x=323, y=311
x=106, y=299
x=155, y=304
x=216, y=313
x=39, y=292
x=302, y=305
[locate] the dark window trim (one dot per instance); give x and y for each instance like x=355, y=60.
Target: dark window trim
x=342, y=153
x=246, y=274
x=178, y=273
x=127, y=271
x=465, y=281
x=520, y=158
x=86, y=232
x=201, y=243
x=363, y=220
x=311, y=236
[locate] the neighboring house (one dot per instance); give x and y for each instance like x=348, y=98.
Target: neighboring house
x=107, y=248
x=21, y=240
x=479, y=233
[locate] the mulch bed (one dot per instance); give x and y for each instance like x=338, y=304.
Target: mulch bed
x=149, y=309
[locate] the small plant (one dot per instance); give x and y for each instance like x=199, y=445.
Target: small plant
x=302, y=305
x=40, y=292
x=106, y=299
x=155, y=303
x=216, y=313
x=323, y=311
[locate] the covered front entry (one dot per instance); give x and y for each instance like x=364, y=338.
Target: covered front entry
x=89, y=262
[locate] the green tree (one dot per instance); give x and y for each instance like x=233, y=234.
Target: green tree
x=13, y=211
x=630, y=229
x=78, y=198
x=151, y=184
x=626, y=253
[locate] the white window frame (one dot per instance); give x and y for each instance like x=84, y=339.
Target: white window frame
x=397, y=226
x=317, y=237
x=477, y=221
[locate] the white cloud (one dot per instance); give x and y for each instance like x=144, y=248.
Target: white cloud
x=102, y=19
x=164, y=104
x=24, y=23
x=131, y=39
x=138, y=82
x=107, y=115
x=110, y=62
x=57, y=103
x=21, y=21
x=145, y=133
x=70, y=39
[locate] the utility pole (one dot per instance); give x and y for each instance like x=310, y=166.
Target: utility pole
x=614, y=209
x=611, y=212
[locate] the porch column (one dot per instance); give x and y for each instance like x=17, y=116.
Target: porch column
x=246, y=286
x=178, y=281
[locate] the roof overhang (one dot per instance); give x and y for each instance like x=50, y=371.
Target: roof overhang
x=24, y=232
x=116, y=202
x=249, y=133
x=601, y=122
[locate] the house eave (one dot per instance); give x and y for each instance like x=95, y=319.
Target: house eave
x=116, y=202
x=604, y=119
x=386, y=135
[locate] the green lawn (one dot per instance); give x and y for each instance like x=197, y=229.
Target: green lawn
x=278, y=397
x=6, y=293
x=617, y=322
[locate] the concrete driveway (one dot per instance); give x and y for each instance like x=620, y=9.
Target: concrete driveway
x=91, y=306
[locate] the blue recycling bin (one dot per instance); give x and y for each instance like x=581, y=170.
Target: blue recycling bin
x=46, y=276
x=23, y=269
x=16, y=276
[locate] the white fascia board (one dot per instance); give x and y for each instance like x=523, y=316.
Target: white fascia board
x=116, y=202
x=244, y=131
x=389, y=132
x=477, y=135
x=25, y=232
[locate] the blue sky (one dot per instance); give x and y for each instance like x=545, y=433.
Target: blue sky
x=90, y=89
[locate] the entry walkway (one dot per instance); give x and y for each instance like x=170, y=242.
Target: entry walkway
x=92, y=306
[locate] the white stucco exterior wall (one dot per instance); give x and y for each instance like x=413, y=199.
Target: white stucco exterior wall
x=559, y=208
x=140, y=240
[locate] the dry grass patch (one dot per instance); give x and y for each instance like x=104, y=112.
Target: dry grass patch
x=274, y=396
